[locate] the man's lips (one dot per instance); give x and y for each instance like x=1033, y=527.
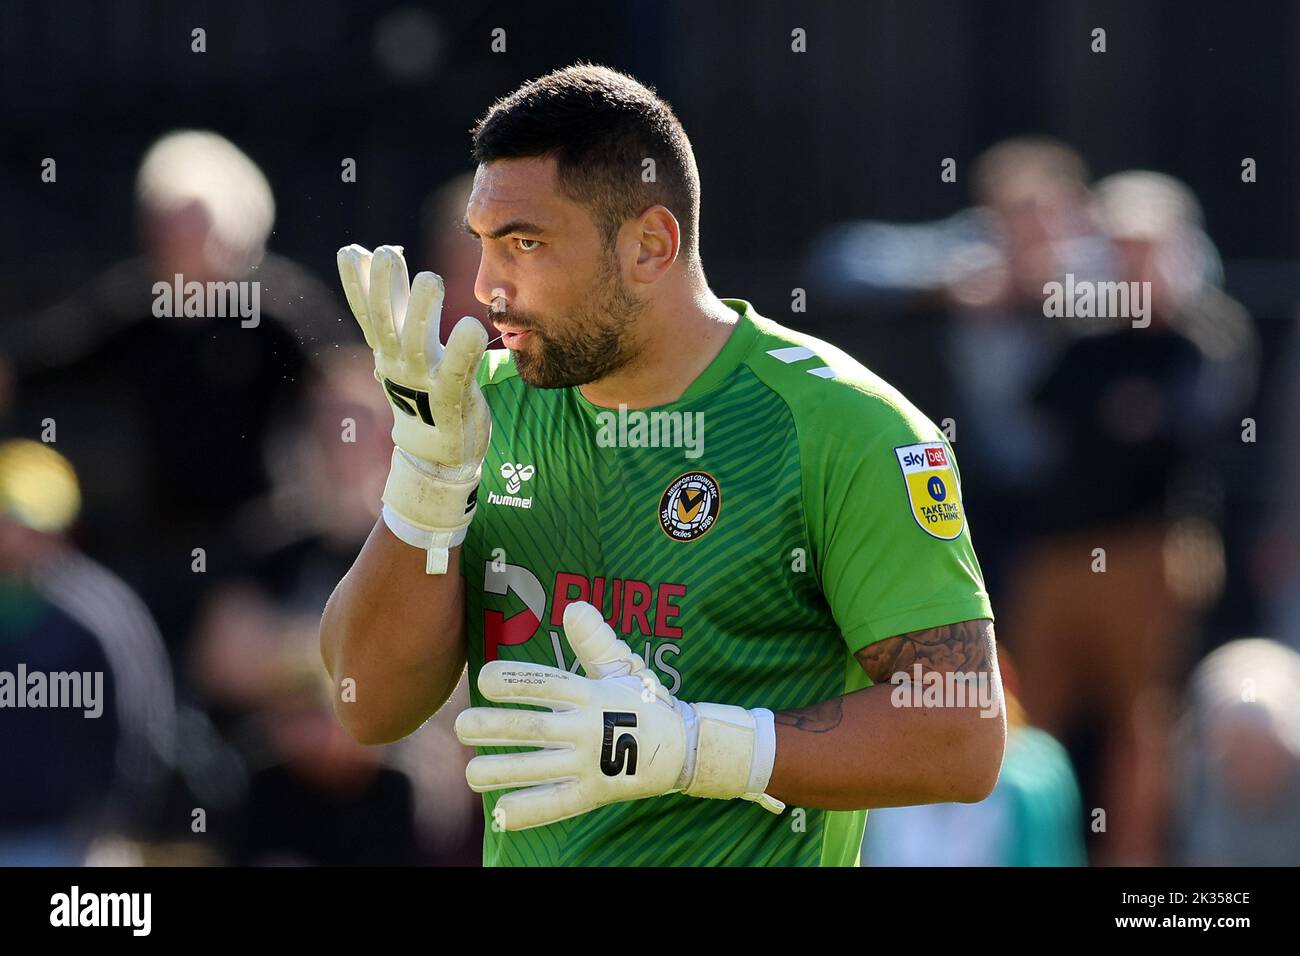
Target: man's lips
x=513, y=339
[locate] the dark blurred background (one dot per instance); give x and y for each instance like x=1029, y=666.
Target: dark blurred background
x=786, y=144
x=820, y=172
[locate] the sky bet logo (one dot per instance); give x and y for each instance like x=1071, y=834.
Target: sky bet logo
x=932, y=488
x=933, y=458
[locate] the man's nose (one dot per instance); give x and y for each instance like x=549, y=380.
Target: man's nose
x=488, y=288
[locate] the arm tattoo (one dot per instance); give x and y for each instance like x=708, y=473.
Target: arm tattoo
x=817, y=719
x=966, y=647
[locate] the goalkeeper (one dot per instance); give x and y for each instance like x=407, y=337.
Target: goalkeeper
x=712, y=578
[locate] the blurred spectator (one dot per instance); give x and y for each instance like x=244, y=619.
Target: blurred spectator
x=165, y=415
x=72, y=773
x=255, y=648
x=1033, y=817
x=1239, y=759
x=453, y=253
x=315, y=796
x=973, y=340
x=1275, y=562
x=1138, y=414
x=1032, y=193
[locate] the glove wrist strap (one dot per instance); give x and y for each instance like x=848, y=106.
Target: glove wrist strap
x=426, y=510
x=733, y=754
x=760, y=772
x=437, y=544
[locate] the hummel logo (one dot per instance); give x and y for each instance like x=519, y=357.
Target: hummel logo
x=515, y=474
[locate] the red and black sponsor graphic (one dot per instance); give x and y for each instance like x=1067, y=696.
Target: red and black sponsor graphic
x=628, y=609
x=630, y=603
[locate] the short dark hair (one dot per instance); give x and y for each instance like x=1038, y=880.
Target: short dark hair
x=601, y=125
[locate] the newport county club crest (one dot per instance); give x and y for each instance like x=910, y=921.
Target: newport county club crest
x=689, y=506
x=932, y=488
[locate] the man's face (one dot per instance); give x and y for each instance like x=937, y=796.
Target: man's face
x=552, y=288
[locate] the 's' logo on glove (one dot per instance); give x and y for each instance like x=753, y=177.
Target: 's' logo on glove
x=618, y=756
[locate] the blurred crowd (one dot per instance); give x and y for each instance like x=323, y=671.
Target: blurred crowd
x=1104, y=459
x=179, y=495
x=217, y=476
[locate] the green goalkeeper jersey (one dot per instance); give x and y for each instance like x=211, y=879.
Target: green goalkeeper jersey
x=748, y=539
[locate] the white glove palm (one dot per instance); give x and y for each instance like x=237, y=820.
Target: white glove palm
x=614, y=735
x=441, y=422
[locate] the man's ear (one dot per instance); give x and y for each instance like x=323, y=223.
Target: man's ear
x=659, y=236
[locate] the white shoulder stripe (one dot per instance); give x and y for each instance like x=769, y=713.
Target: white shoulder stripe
x=793, y=353
x=824, y=371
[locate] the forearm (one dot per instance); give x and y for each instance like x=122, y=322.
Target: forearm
x=862, y=751
x=392, y=639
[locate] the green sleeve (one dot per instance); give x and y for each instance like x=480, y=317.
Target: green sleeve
x=893, y=551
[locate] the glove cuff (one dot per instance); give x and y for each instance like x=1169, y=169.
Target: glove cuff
x=733, y=754
x=436, y=544
x=429, y=508
x=760, y=773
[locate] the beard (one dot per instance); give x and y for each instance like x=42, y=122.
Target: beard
x=597, y=342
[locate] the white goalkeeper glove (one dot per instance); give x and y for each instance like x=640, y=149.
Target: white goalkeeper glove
x=441, y=423
x=613, y=735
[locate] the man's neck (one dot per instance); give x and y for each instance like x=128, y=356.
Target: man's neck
x=678, y=343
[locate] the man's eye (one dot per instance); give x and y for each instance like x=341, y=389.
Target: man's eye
x=536, y=244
